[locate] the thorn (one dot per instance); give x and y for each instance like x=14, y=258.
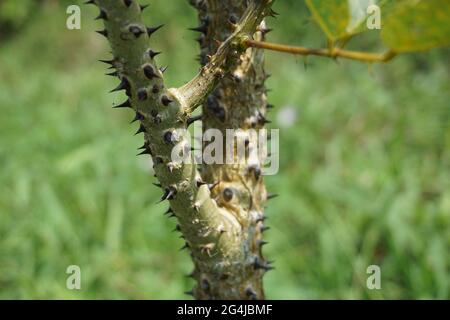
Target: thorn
x=262, y=119
x=267, y=76
x=168, y=136
x=146, y=151
x=177, y=228
x=168, y=194
x=157, y=161
x=228, y=194
x=152, y=54
x=186, y=246
x=126, y=104
x=213, y=185
x=232, y=25
x=138, y=117
x=233, y=19
x=272, y=196
x=193, y=119
x=257, y=264
x=149, y=72
x=202, y=29
x=128, y=2
x=200, y=183
x=141, y=130
x=155, y=89
x=196, y=207
x=265, y=31
x=256, y=171
x=273, y=13
x=168, y=211
x=268, y=268
x=102, y=15
x=103, y=32
x=90, y=2
x=157, y=185
x=260, y=219
x=262, y=243
x=113, y=74
x=151, y=31
x=165, y=100
x=189, y=293
x=110, y=62
x=144, y=146
x=163, y=69
x=123, y=85
x=143, y=7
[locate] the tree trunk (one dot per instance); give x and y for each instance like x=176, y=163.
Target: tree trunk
x=238, y=102
x=222, y=222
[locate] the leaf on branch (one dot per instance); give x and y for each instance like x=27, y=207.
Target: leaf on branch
x=417, y=25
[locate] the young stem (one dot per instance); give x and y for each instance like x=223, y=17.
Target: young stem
x=331, y=52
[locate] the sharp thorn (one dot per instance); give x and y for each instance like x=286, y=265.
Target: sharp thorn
x=151, y=31
x=103, y=32
x=141, y=130
x=126, y=104
x=193, y=119
x=102, y=15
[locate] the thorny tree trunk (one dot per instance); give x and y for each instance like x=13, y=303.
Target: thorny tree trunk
x=220, y=209
x=238, y=102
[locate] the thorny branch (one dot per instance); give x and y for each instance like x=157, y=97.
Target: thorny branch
x=213, y=235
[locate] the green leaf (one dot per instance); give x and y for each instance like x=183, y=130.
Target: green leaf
x=341, y=18
x=417, y=25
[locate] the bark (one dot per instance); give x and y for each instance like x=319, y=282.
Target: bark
x=238, y=102
x=223, y=238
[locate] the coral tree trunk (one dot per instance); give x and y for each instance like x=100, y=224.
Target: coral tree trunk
x=238, y=102
x=222, y=225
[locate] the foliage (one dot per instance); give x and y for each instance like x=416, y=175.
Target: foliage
x=407, y=25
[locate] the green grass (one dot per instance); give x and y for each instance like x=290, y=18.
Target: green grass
x=364, y=179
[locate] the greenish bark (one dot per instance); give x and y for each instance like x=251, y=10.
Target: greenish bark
x=225, y=265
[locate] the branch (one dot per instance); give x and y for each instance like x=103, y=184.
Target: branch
x=332, y=52
x=162, y=117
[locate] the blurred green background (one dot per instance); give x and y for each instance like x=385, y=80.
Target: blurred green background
x=364, y=178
